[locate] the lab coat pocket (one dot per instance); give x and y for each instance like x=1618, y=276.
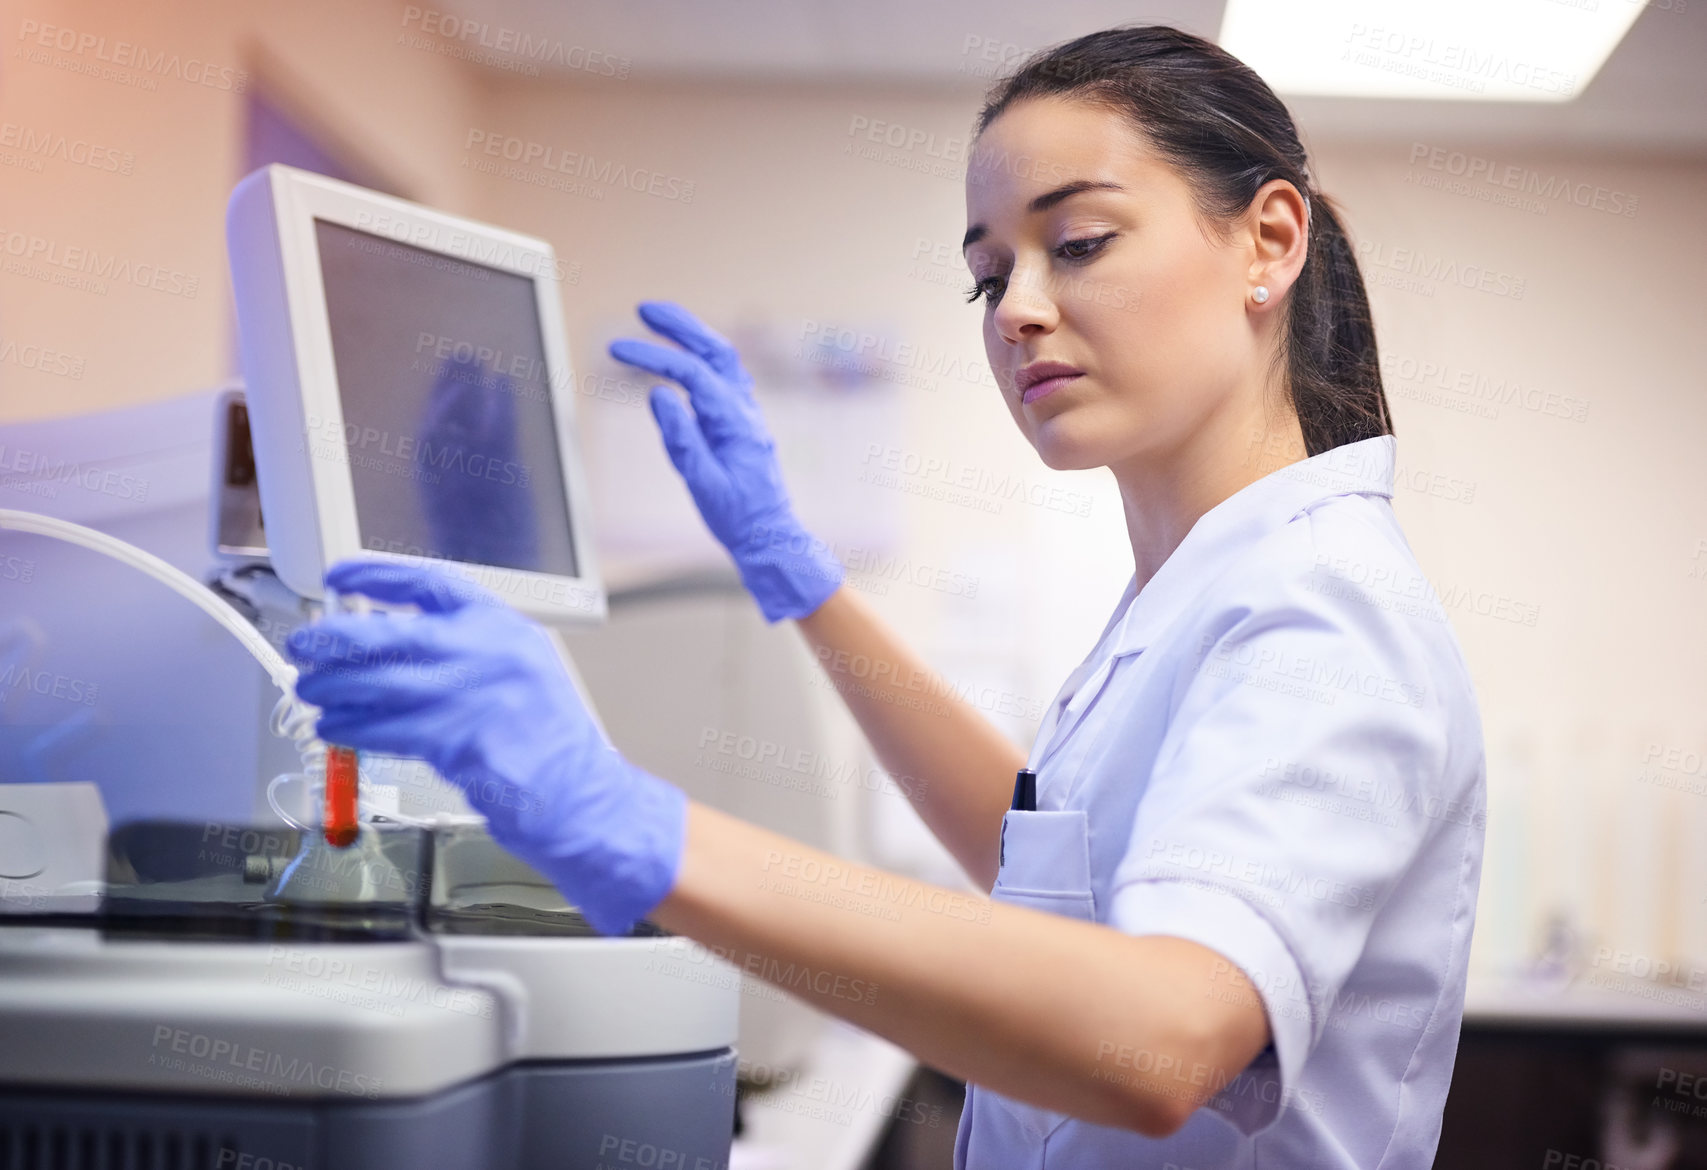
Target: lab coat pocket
x=1046, y=865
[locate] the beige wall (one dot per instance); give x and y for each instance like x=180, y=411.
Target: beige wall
x=1595, y=525
x=336, y=64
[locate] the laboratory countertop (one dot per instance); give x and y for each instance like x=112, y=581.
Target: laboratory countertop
x=834, y=1110
x=1667, y=1004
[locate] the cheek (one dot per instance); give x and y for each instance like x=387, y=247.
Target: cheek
x=1174, y=336
x=1176, y=293
x=996, y=355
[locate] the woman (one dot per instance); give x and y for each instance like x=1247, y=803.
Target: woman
x=1235, y=931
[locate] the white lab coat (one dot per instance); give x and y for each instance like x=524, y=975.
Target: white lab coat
x=1273, y=751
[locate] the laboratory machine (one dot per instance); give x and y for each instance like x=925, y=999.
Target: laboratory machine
x=356, y=976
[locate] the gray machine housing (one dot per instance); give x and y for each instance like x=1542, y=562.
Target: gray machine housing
x=427, y=1049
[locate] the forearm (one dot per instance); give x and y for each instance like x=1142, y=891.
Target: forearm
x=955, y=766
x=1064, y=1014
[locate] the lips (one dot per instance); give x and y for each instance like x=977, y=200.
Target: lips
x=1045, y=377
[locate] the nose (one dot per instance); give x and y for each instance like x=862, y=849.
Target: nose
x=1026, y=309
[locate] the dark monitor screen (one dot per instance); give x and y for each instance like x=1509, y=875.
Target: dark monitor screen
x=446, y=397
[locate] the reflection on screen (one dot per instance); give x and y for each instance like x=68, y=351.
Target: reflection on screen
x=446, y=400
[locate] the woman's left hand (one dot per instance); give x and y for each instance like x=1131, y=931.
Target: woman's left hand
x=479, y=692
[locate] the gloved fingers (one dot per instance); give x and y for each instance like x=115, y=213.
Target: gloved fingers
x=422, y=689
x=723, y=414
x=430, y=589
x=394, y=734
x=688, y=331
x=682, y=438
x=350, y=639
x=349, y=646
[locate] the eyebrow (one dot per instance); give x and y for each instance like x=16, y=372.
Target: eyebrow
x=1043, y=203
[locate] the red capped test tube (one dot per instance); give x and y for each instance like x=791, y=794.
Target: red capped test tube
x=339, y=821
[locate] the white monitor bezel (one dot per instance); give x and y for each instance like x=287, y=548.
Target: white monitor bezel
x=302, y=197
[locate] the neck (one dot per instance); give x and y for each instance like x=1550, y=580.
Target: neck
x=1164, y=493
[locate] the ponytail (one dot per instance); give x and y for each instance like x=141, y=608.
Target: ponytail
x=1332, y=365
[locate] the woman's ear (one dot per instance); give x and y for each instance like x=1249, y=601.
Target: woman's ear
x=1278, y=223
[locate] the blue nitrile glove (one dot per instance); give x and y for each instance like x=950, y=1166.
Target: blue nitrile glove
x=728, y=458
x=479, y=692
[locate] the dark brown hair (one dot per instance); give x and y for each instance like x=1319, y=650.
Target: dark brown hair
x=1226, y=132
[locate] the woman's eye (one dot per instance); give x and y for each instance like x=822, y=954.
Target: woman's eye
x=991, y=288
x=1084, y=248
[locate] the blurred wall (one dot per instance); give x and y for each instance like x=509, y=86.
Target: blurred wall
x=149, y=101
x=1543, y=359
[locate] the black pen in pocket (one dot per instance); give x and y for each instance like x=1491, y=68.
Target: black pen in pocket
x=1025, y=791
x=1025, y=800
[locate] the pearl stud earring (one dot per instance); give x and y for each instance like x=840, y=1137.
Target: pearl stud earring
x=1260, y=294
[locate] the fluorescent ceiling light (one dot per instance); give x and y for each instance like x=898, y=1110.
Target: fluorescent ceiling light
x=1476, y=50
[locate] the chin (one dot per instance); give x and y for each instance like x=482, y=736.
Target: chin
x=1064, y=452
x=1078, y=436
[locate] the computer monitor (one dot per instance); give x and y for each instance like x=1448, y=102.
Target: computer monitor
x=409, y=393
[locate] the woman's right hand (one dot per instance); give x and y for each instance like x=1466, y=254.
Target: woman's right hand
x=727, y=456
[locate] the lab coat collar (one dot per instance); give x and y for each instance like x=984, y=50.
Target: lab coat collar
x=1239, y=521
